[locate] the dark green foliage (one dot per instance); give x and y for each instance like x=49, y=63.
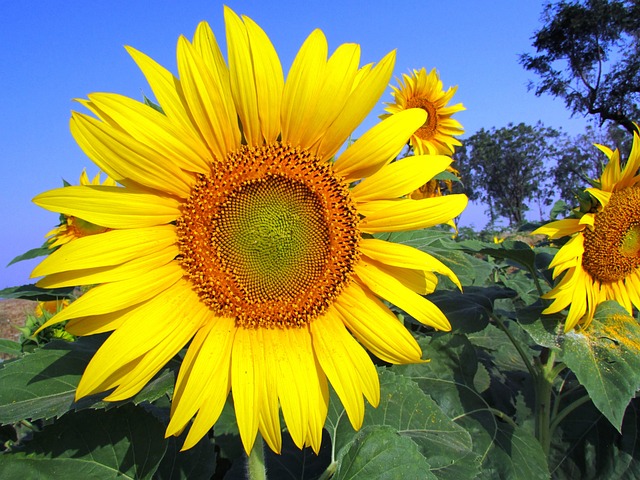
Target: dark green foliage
x=588, y=54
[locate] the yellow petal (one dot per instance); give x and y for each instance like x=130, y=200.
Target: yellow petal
x=107, y=249
x=205, y=43
x=346, y=364
x=210, y=105
x=256, y=79
x=578, y=306
x=122, y=156
x=573, y=249
x=154, y=129
x=247, y=375
x=559, y=228
x=111, y=207
x=153, y=322
x=368, y=87
x=167, y=90
x=217, y=390
x=183, y=322
x=410, y=214
x=602, y=196
x=628, y=177
x=119, y=295
x=379, y=145
x=340, y=73
x=269, y=417
x=405, y=256
x=633, y=288
x=106, y=322
x=611, y=174
x=124, y=271
x=400, y=178
x=204, y=371
x=379, y=330
x=301, y=90
x=392, y=290
x=301, y=385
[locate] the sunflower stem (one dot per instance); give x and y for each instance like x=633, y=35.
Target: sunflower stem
x=256, y=468
x=547, y=373
x=328, y=473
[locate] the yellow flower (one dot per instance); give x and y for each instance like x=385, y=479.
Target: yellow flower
x=602, y=259
x=73, y=227
x=249, y=243
x=421, y=90
x=50, y=307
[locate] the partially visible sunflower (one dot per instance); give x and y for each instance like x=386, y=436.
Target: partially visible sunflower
x=602, y=259
x=421, y=90
x=51, y=307
x=71, y=227
x=235, y=231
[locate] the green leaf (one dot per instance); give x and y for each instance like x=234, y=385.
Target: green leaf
x=33, y=253
x=31, y=292
x=502, y=353
x=42, y=384
x=405, y=408
x=469, y=311
x=511, y=451
x=9, y=347
x=380, y=452
x=605, y=358
x=124, y=442
x=545, y=330
x=452, y=177
x=506, y=450
x=514, y=250
x=587, y=446
x=197, y=463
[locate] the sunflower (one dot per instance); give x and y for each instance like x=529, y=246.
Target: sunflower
x=421, y=90
x=235, y=230
x=601, y=260
x=71, y=227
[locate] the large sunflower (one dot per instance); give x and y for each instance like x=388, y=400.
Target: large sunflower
x=71, y=227
x=602, y=259
x=424, y=90
x=235, y=231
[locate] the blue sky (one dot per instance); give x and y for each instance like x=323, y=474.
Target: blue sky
x=53, y=52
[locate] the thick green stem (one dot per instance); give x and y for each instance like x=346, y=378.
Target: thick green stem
x=548, y=372
x=256, y=468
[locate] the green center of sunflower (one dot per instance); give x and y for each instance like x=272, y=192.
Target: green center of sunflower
x=275, y=237
x=429, y=128
x=270, y=237
x=612, y=247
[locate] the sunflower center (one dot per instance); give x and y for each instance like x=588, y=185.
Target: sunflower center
x=270, y=237
x=274, y=239
x=612, y=247
x=430, y=126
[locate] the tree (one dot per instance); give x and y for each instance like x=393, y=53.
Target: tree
x=588, y=53
x=579, y=160
x=508, y=168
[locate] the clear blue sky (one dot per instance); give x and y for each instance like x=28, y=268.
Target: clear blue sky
x=52, y=52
